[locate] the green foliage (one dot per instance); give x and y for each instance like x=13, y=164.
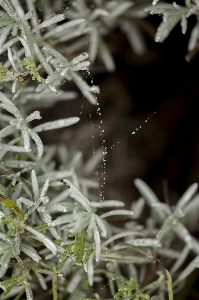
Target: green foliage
x=54, y=236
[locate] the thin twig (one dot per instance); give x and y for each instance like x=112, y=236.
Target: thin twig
x=155, y=259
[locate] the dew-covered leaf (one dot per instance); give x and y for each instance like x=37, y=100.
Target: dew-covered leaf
x=186, y=197
x=49, y=22
x=44, y=239
x=56, y=124
x=116, y=213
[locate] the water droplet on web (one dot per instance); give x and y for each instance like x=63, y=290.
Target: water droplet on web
x=133, y=132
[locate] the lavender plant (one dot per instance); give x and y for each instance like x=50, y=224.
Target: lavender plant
x=172, y=15
x=55, y=242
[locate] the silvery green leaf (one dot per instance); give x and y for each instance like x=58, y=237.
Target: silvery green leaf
x=169, y=224
x=193, y=37
x=33, y=116
x=37, y=141
x=44, y=239
x=84, y=87
x=135, y=37
x=35, y=185
x=90, y=271
x=46, y=217
x=26, y=46
x=41, y=280
x=41, y=58
x=186, y=197
x=80, y=58
x=99, y=12
x=19, y=164
x=45, y=271
x=55, y=54
x=145, y=242
x=1, y=215
x=182, y=257
x=4, y=249
x=97, y=244
x=107, y=203
x=184, y=24
x=78, y=195
x=184, y=234
x=12, y=148
x=52, y=77
x=145, y=190
x=17, y=243
x=4, y=262
x=8, y=8
x=81, y=200
x=44, y=189
x=26, y=201
x=18, y=8
x=4, y=238
x=52, y=20
x=53, y=176
x=74, y=282
x=29, y=294
x=106, y=56
x=57, y=207
x=76, y=161
x=31, y=252
x=120, y=235
x=14, y=30
x=155, y=2
x=166, y=26
x=11, y=59
x=81, y=66
x=192, y=206
x=30, y=14
x=116, y=213
x=93, y=162
x=4, y=34
x=101, y=225
x=63, y=219
x=120, y=9
x=55, y=234
x=60, y=197
x=6, y=131
x=40, y=88
x=10, y=43
x=26, y=139
x=6, y=118
x=89, y=184
x=16, y=88
x=12, y=109
x=91, y=227
x=94, y=41
x=138, y=207
x=61, y=29
x=56, y=124
x=168, y=252
x=190, y=268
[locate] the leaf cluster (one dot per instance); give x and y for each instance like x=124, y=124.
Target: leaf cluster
x=56, y=235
